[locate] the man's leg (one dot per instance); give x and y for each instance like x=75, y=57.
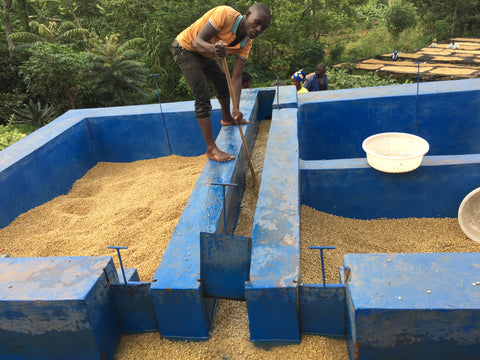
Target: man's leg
x=227, y=118
x=215, y=74
x=213, y=152
x=191, y=66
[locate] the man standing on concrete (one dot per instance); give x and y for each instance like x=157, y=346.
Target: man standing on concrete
x=318, y=81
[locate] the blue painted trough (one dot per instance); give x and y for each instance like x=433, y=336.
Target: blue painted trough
x=336, y=178
x=313, y=157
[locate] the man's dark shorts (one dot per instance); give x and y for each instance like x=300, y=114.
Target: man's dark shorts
x=197, y=69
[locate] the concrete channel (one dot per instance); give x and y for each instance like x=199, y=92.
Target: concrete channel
x=313, y=157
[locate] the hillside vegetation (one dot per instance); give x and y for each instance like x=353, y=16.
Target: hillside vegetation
x=66, y=54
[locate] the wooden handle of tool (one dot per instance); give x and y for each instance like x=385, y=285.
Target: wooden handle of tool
x=236, y=111
x=230, y=87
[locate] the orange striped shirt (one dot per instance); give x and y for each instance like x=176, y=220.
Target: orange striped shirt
x=225, y=20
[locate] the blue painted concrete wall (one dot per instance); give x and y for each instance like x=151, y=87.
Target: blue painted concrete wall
x=79, y=139
x=333, y=124
x=322, y=309
x=274, y=273
x=180, y=305
x=406, y=306
x=351, y=188
x=46, y=163
x=57, y=308
x=43, y=166
x=335, y=176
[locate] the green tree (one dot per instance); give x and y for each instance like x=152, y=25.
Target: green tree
x=307, y=55
x=441, y=30
x=22, y=10
x=462, y=16
x=138, y=13
x=371, y=14
x=55, y=73
x=7, y=9
x=118, y=76
x=65, y=33
x=83, y=10
x=12, y=89
x=9, y=134
x=400, y=16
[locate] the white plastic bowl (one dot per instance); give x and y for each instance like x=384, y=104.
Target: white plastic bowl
x=469, y=215
x=395, y=152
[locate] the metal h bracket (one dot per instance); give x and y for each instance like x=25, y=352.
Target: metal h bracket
x=321, y=248
x=118, y=248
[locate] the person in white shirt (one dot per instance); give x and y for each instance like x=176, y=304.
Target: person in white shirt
x=453, y=45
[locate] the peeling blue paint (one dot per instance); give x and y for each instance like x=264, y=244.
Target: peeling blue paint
x=402, y=305
x=178, y=297
x=57, y=308
x=274, y=273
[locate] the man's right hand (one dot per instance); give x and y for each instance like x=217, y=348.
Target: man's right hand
x=220, y=49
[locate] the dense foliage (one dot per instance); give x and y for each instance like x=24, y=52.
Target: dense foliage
x=66, y=54
x=9, y=134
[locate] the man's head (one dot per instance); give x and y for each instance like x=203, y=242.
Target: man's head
x=320, y=70
x=257, y=19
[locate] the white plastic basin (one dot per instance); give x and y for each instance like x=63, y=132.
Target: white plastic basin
x=469, y=215
x=395, y=152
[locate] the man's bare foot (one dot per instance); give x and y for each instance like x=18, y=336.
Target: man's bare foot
x=232, y=122
x=218, y=155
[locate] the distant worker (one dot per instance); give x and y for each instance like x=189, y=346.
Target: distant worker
x=246, y=80
x=434, y=43
x=453, y=45
x=395, y=55
x=318, y=81
x=298, y=79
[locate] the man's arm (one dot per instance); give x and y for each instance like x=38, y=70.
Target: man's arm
x=308, y=83
x=202, y=45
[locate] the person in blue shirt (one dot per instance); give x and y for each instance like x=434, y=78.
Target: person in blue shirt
x=318, y=81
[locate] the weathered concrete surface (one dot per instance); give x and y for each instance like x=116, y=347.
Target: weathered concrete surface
x=57, y=308
x=403, y=305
